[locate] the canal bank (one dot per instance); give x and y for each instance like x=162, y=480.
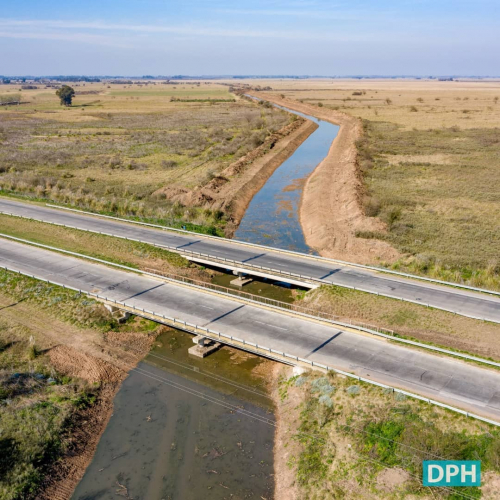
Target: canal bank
x=273, y=216
x=331, y=210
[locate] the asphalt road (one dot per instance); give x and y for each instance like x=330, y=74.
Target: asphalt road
x=459, y=301
x=451, y=381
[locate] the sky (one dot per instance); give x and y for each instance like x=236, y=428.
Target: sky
x=252, y=37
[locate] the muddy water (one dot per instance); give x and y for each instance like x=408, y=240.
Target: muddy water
x=272, y=218
x=185, y=428
x=276, y=290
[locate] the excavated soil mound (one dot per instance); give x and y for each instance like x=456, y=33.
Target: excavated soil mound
x=72, y=363
x=331, y=211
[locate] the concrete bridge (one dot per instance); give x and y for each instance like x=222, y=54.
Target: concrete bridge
x=277, y=334
x=304, y=270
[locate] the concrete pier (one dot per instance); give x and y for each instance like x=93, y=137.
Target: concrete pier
x=204, y=347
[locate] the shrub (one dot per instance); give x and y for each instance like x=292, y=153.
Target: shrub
x=169, y=164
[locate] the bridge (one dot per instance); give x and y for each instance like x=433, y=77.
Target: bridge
x=274, y=333
x=300, y=269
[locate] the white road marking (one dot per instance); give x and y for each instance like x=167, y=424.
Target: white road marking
x=272, y=326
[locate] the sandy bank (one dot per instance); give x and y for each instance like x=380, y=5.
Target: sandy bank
x=331, y=210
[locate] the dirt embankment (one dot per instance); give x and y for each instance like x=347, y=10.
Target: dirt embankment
x=232, y=190
x=285, y=447
x=103, y=360
x=86, y=354
x=331, y=210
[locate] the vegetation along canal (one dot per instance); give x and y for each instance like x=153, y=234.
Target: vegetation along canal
x=272, y=218
x=187, y=428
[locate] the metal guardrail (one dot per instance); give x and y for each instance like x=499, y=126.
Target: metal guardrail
x=246, y=267
x=283, y=251
x=306, y=314
x=249, y=346
x=307, y=311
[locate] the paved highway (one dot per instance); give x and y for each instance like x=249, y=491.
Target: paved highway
x=459, y=301
x=451, y=381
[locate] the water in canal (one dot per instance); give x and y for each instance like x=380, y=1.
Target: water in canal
x=185, y=428
x=272, y=218
x=189, y=429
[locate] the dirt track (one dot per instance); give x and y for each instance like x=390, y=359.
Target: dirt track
x=331, y=210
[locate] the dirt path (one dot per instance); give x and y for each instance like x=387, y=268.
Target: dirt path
x=331, y=210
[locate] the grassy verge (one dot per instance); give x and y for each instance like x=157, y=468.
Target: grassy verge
x=435, y=189
x=410, y=320
x=359, y=441
x=36, y=407
x=120, y=251
x=213, y=225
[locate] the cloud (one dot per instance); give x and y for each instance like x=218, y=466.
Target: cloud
x=45, y=29
x=70, y=37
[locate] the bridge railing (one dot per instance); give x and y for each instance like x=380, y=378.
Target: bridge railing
x=350, y=324
x=309, y=311
x=248, y=268
x=252, y=347
x=288, y=252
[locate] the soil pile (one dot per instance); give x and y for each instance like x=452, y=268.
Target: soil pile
x=331, y=211
x=70, y=362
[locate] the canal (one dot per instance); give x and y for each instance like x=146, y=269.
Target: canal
x=272, y=218
x=186, y=428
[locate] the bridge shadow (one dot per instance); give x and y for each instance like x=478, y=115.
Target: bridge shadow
x=224, y=315
x=190, y=243
x=254, y=257
x=333, y=271
x=326, y=342
x=143, y=292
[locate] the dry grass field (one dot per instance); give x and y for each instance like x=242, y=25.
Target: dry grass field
x=430, y=162
x=118, y=144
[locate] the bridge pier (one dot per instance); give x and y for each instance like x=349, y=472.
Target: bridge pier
x=241, y=280
x=204, y=346
x=114, y=310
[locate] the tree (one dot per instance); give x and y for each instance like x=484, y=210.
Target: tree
x=65, y=94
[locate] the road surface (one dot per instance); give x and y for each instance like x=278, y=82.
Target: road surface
x=453, y=382
x=462, y=302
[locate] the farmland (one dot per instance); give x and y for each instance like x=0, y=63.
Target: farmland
x=117, y=146
x=428, y=158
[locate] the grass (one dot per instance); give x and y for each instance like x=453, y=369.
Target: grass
x=345, y=445
x=436, y=191
x=71, y=306
x=115, y=150
x=36, y=409
x=410, y=320
x=39, y=406
x=429, y=161
x=120, y=251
